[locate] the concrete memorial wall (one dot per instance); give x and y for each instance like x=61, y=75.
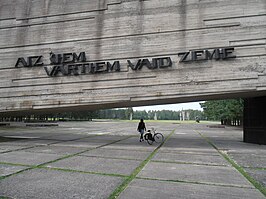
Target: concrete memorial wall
x=58, y=55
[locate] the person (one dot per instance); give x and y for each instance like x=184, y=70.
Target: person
x=141, y=128
x=197, y=119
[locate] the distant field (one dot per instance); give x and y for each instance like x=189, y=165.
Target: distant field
x=165, y=121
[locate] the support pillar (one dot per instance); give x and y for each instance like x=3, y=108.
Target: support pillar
x=255, y=120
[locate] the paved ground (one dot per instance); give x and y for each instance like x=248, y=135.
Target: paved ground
x=106, y=160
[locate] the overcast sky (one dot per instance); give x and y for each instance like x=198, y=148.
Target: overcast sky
x=173, y=107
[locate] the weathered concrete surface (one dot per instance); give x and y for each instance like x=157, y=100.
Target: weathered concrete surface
x=8, y=169
x=250, y=160
x=116, y=30
x=95, y=164
x=44, y=183
x=259, y=175
x=194, y=173
x=186, y=165
x=204, y=159
x=27, y=158
x=59, y=150
x=117, y=153
x=156, y=189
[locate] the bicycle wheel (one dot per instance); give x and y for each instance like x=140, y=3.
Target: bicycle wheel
x=158, y=137
x=146, y=136
x=149, y=141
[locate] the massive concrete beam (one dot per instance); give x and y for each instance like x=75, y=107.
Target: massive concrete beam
x=134, y=33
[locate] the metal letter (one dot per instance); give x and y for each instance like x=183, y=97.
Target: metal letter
x=100, y=67
x=195, y=54
x=145, y=62
x=132, y=66
x=21, y=61
x=35, y=61
x=184, y=56
x=51, y=71
x=219, y=53
x=55, y=58
x=67, y=58
x=70, y=69
x=115, y=66
x=165, y=62
x=228, y=52
x=208, y=55
x=80, y=58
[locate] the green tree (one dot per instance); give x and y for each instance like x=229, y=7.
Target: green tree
x=229, y=112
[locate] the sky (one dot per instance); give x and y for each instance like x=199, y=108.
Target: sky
x=172, y=107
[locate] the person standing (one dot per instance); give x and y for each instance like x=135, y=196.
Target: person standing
x=141, y=128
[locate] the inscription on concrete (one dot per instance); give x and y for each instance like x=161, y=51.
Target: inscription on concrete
x=76, y=64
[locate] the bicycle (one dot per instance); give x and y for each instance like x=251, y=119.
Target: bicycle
x=152, y=136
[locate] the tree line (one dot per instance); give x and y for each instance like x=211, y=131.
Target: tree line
x=229, y=112
x=119, y=114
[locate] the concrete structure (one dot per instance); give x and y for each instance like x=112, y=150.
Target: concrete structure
x=63, y=55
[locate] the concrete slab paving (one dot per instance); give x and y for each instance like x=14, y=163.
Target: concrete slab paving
x=96, y=164
x=194, y=173
x=191, y=158
x=43, y=184
x=259, y=175
x=82, y=144
x=171, y=190
x=13, y=143
x=59, y=150
x=185, y=144
x=250, y=160
x=187, y=150
x=65, y=137
x=91, y=142
x=116, y=153
x=5, y=148
x=27, y=158
x=110, y=138
x=10, y=169
x=34, y=142
x=133, y=144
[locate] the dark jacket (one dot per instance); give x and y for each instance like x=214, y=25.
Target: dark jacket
x=141, y=126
